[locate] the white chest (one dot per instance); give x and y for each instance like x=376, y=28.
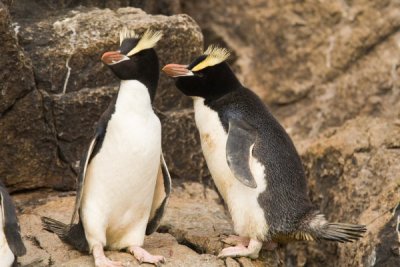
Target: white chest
x=213, y=143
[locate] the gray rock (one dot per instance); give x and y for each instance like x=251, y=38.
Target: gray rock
x=16, y=76
x=29, y=149
x=181, y=145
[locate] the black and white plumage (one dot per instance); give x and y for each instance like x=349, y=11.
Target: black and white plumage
x=11, y=244
x=252, y=160
x=123, y=185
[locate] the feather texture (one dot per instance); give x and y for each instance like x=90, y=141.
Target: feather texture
x=148, y=40
x=125, y=34
x=215, y=55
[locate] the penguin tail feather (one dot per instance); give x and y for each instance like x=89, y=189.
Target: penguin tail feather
x=73, y=235
x=54, y=226
x=338, y=232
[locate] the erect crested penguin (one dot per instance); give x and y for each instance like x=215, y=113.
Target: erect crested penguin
x=252, y=161
x=11, y=245
x=123, y=185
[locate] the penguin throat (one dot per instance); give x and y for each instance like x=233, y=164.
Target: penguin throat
x=133, y=96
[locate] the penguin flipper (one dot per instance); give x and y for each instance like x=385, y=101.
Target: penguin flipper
x=241, y=136
x=82, y=174
x=160, y=199
x=11, y=226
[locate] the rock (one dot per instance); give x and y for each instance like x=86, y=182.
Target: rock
x=12, y=61
x=41, y=8
x=73, y=130
x=196, y=222
x=353, y=177
x=229, y=262
x=181, y=143
x=66, y=56
x=29, y=147
x=317, y=64
x=72, y=88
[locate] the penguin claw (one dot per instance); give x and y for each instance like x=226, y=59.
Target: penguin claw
x=145, y=257
x=250, y=251
x=235, y=240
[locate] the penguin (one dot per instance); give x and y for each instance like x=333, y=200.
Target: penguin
x=252, y=160
x=123, y=185
x=11, y=244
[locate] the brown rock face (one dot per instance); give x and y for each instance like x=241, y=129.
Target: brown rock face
x=181, y=144
x=353, y=177
x=58, y=88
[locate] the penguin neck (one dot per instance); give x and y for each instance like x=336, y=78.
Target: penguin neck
x=133, y=96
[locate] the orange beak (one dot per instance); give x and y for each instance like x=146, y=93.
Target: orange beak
x=112, y=57
x=176, y=70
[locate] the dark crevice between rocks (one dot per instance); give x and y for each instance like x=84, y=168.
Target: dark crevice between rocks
x=49, y=120
x=35, y=241
x=10, y=108
x=51, y=261
x=183, y=241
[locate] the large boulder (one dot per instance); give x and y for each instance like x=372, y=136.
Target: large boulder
x=58, y=88
x=27, y=144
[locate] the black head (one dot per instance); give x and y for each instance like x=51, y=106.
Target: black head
x=208, y=76
x=136, y=59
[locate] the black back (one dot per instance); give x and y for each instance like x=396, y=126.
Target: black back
x=285, y=201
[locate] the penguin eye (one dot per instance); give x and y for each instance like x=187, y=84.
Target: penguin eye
x=199, y=74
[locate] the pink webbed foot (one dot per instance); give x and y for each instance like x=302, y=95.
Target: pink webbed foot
x=143, y=256
x=250, y=251
x=100, y=259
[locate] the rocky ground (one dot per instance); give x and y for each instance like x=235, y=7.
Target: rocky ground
x=191, y=232
x=329, y=71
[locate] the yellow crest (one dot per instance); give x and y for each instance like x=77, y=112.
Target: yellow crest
x=148, y=40
x=215, y=55
x=125, y=34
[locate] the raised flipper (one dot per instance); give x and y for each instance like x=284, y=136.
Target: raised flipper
x=241, y=138
x=160, y=199
x=11, y=226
